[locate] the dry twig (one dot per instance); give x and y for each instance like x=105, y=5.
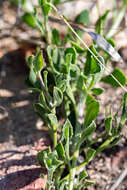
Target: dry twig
x=119, y=180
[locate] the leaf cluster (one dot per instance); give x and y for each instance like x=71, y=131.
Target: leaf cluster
x=65, y=83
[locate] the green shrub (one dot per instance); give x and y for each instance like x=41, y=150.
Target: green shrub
x=64, y=75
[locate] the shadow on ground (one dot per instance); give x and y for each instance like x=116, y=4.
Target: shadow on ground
x=21, y=179
x=17, y=117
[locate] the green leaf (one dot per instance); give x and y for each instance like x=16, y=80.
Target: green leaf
x=90, y=137
x=116, y=141
x=67, y=37
x=116, y=129
x=56, y=36
x=92, y=110
x=28, y=82
x=67, y=130
x=43, y=100
x=74, y=71
x=97, y=76
x=78, y=48
x=29, y=19
x=87, y=132
x=82, y=175
x=38, y=62
x=67, y=133
x=124, y=111
x=30, y=60
x=40, y=155
x=100, y=22
x=92, y=66
x=55, y=2
x=39, y=108
x=108, y=125
x=81, y=81
x=63, y=184
x=45, y=73
x=32, y=90
x=88, y=183
x=92, y=47
x=41, y=111
x=57, y=96
x=52, y=57
x=60, y=150
x=90, y=154
x=125, y=2
x=39, y=23
x=46, y=8
x=73, y=52
x=87, y=64
x=105, y=144
x=95, y=67
x=68, y=59
x=125, y=99
x=84, y=183
x=64, y=65
x=42, y=176
x=83, y=17
x=51, y=161
x=119, y=75
x=32, y=76
x=97, y=91
x=55, y=56
x=61, y=81
x=111, y=41
x=53, y=121
x=70, y=94
x=49, y=50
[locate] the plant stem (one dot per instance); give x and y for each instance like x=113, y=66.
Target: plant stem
x=48, y=185
x=73, y=169
x=92, y=142
x=54, y=138
x=59, y=174
x=91, y=83
x=83, y=164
